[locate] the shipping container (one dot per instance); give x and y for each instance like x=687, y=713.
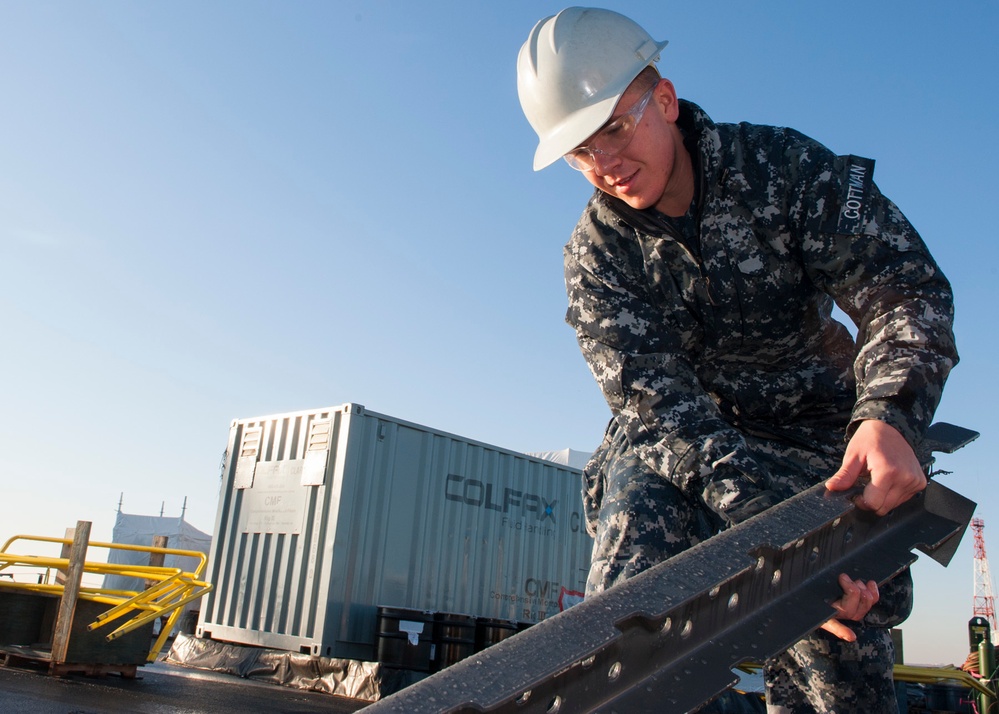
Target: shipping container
x=327, y=515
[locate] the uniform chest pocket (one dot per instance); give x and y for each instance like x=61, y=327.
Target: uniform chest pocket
x=767, y=276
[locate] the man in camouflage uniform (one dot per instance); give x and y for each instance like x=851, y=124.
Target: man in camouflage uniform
x=701, y=279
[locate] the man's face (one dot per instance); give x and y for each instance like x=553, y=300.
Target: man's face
x=641, y=173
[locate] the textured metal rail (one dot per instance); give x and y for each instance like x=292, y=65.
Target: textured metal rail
x=668, y=639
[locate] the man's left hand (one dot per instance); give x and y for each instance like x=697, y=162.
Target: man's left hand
x=879, y=452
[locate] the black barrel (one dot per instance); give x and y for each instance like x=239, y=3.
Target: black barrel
x=406, y=639
x=455, y=638
x=490, y=630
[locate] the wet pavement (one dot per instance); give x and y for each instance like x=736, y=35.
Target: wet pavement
x=159, y=688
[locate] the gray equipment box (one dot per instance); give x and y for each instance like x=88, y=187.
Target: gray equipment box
x=325, y=516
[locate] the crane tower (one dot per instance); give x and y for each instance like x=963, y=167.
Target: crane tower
x=984, y=602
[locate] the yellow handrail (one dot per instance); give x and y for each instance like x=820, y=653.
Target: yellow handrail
x=918, y=675
x=935, y=675
x=114, y=546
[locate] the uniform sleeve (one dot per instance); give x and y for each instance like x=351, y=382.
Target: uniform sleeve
x=859, y=248
x=635, y=351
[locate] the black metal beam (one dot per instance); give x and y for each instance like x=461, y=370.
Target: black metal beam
x=669, y=638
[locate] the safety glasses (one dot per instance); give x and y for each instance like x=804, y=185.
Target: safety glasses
x=612, y=138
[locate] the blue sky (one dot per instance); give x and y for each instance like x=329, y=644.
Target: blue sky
x=219, y=210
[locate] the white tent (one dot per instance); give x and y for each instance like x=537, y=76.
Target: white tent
x=567, y=457
x=140, y=530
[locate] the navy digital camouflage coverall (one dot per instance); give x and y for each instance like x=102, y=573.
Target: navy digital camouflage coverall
x=713, y=341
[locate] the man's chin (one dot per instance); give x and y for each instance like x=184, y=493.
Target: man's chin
x=637, y=202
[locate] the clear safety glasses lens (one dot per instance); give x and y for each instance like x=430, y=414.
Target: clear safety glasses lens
x=612, y=139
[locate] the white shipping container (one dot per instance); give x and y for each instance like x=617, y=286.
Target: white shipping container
x=325, y=516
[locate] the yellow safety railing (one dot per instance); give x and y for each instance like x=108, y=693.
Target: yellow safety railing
x=940, y=675
x=918, y=675
x=168, y=591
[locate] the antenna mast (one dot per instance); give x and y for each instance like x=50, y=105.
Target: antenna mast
x=984, y=602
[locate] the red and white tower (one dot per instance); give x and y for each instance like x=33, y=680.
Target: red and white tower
x=984, y=602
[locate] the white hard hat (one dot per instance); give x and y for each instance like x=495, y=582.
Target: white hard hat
x=572, y=71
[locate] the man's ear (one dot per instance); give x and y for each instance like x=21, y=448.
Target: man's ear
x=665, y=95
